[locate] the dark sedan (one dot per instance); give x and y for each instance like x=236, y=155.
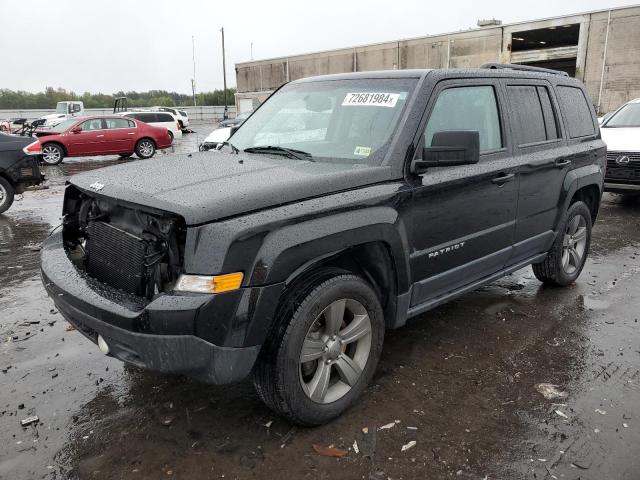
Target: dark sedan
x=18, y=166
x=236, y=121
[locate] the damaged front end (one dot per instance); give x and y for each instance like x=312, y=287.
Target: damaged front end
x=134, y=250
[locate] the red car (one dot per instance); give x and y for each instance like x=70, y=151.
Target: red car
x=88, y=136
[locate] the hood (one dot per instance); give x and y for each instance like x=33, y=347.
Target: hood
x=621, y=139
x=207, y=186
x=53, y=116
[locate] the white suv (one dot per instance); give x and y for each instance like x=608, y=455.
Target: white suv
x=157, y=119
x=181, y=115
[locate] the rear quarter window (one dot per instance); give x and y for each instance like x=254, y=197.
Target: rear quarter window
x=576, y=111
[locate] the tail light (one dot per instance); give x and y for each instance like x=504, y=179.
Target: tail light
x=34, y=148
x=178, y=125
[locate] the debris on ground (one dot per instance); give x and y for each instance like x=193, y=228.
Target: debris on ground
x=329, y=451
x=409, y=445
x=29, y=420
x=70, y=328
x=287, y=437
x=389, y=425
x=550, y=391
x=601, y=412
x=167, y=421
x=355, y=446
x=563, y=415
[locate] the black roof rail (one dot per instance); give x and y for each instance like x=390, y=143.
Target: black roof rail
x=524, y=68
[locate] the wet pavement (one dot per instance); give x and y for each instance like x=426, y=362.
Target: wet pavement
x=461, y=381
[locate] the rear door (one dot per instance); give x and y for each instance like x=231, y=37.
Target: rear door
x=542, y=159
x=463, y=216
x=120, y=135
x=90, y=140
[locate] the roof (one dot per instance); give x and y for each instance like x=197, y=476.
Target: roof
x=442, y=34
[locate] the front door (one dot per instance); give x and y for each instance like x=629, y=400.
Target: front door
x=464, y=216
x=88, y=141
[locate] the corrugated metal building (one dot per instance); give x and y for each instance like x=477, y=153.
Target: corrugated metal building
x=601, y=48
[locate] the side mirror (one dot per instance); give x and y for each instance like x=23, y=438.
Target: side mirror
x=233, y=130
x=449, y=148
x=76, y=129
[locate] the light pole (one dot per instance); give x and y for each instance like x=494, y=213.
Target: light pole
x=224, y=74
x=193, y=80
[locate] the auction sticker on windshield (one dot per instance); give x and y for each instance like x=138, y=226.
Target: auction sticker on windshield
x=375, y=99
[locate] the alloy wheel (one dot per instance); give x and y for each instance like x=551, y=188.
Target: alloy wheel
x=3, y=195
x=335, y=351
x=146, y=148
x=51, y=154
x=574, y=244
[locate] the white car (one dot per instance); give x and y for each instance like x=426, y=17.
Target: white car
x=215, y=138
x=621, y=133
x=64, y=111
x=157, y=119
x=181, y=115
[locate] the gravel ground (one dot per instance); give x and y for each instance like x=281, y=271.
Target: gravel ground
x=462, y=382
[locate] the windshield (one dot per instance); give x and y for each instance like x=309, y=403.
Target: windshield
x=345, y=120
x=627, y=116
x=61, y=107
x=61, y=127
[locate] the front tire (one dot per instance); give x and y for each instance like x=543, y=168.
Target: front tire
x=52, y=154
x=7, y=193
x=145, y=148
x=324, y=349
x=567, y=256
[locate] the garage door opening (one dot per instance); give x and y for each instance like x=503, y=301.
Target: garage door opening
x=567, y=65
x=542, y=38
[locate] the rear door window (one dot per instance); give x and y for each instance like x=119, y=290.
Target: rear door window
x=533, y=116
x=164, y=117
x=576, y=111
x=467, y=108
x=117, y=123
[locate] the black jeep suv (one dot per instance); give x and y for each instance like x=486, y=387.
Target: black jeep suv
x=345, y=205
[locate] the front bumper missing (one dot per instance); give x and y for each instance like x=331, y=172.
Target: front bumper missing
x=89, y=307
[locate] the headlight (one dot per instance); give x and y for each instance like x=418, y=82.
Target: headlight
x=209, y=284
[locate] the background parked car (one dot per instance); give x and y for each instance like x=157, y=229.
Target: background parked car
x=18, y=166
x=235, y=122
x=181, y=115
x=90, y=136
x=621, y=133
x=157, y=119
x=215, y=138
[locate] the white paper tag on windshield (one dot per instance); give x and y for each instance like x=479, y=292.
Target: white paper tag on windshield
x=375, y=99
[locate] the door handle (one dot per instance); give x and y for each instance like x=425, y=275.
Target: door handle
x=131, y=133
x=562, y=162
x=98, y=136
x=503, y=178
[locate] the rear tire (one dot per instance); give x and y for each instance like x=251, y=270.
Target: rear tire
x=7, y=193
x=317, y=384
x=567, y=256
x=52, y=153
x=145, y=148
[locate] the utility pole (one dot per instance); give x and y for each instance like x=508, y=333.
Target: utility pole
x=224, y=74
x=193, y=79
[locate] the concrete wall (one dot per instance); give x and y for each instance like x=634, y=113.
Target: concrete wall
x=472, y=48
x=207, y=113
x=620, y=78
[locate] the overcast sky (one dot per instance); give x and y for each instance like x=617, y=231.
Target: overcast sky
x=111, y=45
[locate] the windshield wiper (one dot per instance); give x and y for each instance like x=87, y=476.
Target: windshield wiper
x=290, y=152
